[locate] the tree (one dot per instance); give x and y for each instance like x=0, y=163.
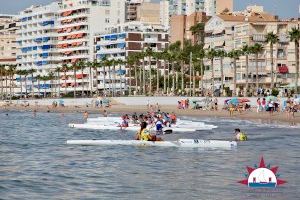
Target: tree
x=94, y=65
x=65, y=68
x=75, y=67
x=149, y=54
x=82, y=65
x=108, y=63
x=174, y=55
x=158, y=56
x=211, y=54
x=120, y=62
x=51, y=77
x=234, y=55
x=130, y=62
x=246, y=51
x=11, y=71
x=222, y=54
x=38, y=78
x=20, y=73
x=295, y=37
x=272, y=39
x=31, y=72
x=165, y=56
x=2, y=73
x=256, y=49
x=57, y=70
x=198, y=31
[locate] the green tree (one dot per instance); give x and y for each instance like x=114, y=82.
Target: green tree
x=256, y=49
x=234, y=55
x=246, y=51
x=222, y=54
x=211, y=54
x=198, y=31
x=57, y=70
x=31, y=72
x=272, y=39
x=295, y=37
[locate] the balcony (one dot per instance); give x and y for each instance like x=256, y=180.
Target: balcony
x=259, y=37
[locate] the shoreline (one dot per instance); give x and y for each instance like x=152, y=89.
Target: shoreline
x=262, y=117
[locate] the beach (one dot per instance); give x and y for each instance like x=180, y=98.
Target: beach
x=263, y=117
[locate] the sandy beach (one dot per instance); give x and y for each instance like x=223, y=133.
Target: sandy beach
x=263, y=117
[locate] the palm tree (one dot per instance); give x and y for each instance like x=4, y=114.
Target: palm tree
x=120, y=62
x=174, y=55
x=130, y=63
x=31, y=72
x=222, y=54
x=58, y=70
x=143, y=55
x=295, y=37
x=65, y=68
x=108, y=63
x=165, y=56
x=234, y=55
x=75, y=67
x=246, y=51
x=198, y=31
x=26, y=73
x=51, y=77
x=272, y=39
x=82, y=65
x=158, y=56
x=2, y=73
x=93, y=66
x=149, y=54
x=11, y=71
x=256, y=49
x=38, y=78
x=44, y=79
x=211, y=54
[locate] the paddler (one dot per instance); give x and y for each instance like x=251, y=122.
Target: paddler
x=144, y=134
x=240, y=136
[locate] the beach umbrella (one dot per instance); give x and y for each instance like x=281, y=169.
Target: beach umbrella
x=244, y=100
x=234, y=101
x=271, y=98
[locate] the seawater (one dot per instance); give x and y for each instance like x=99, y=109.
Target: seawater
x=35, y=162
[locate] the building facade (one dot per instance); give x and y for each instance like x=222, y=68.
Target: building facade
x=8, y=46
x=233, y=31
x=181, y=24
x=120, y=42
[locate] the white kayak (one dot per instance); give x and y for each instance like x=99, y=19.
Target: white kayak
x=132, y=128
x=191, y=143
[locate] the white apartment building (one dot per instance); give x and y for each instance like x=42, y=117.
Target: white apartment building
x=164, y=13
x=78, y=22
x=121, y=41
x=37, y=40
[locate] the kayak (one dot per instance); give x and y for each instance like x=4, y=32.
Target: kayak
x=190, y=143
x=131, y=128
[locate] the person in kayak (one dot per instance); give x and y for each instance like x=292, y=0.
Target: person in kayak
x=124, y=123
x=158, y=125
x=144, y=134
x=240, y=136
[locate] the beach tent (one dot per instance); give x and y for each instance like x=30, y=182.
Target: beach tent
x=271, y=98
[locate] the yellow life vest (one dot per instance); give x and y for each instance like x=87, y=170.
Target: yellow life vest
x=145, y=134
x=243, y=137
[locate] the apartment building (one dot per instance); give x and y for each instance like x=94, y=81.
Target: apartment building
x=181, y=25
x=187, y=7
x=123, y=40
x=149, y=12
x=234, y=30
x=8, y=46
x=131, y=9
x=283, y=53
x=37, y=38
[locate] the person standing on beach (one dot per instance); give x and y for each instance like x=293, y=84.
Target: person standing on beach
x=258, y=104
x=263, y=104
x=216, y=103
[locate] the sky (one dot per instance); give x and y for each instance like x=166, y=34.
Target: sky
x=283, y=8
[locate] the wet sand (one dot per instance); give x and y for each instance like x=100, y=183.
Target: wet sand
x=263, y=117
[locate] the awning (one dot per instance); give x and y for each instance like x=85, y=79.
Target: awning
x=68, y=52
x=219, y=43
x=74, y=36
x=69, y=30
x=283, y=69
x=61, y=38
x=80, y=35
x=67, y=13
x=80, y=76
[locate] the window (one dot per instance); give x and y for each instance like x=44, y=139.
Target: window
x=106, y=20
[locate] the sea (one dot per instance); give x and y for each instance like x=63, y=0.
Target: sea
x=36, y=163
